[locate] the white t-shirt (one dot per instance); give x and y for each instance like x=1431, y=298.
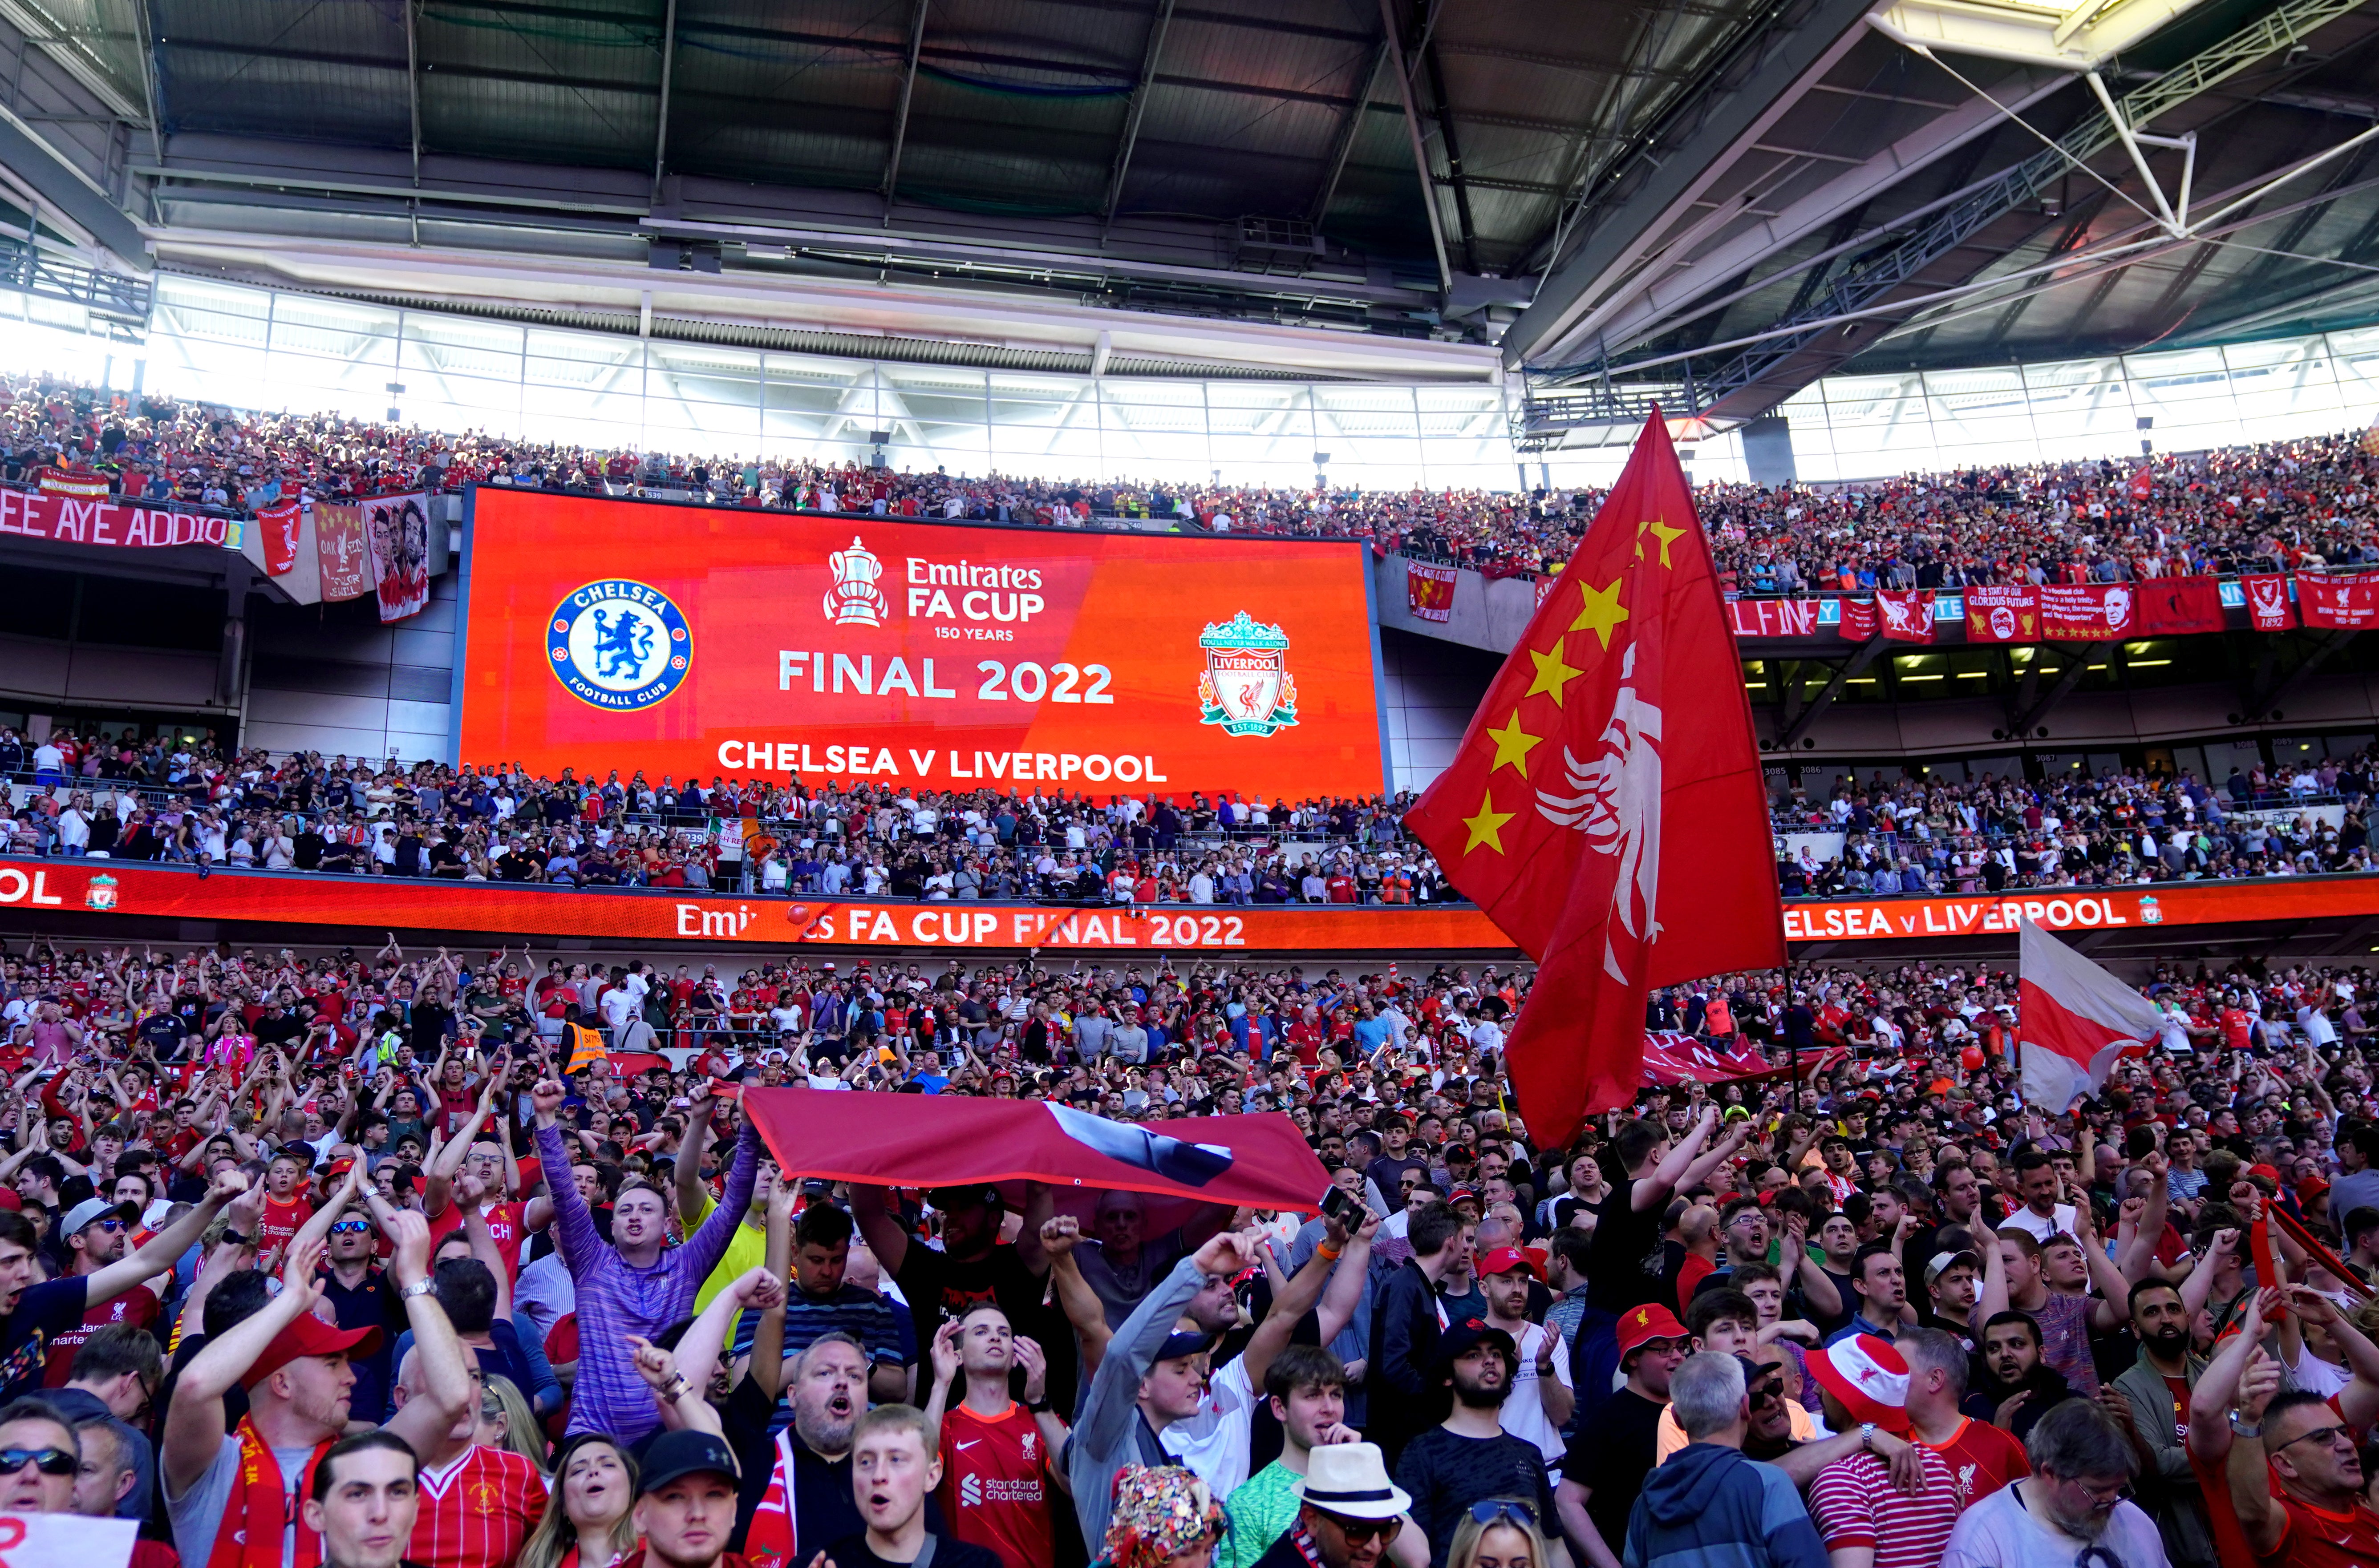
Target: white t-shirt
x=2060, y=1219
x=1523, y=1412
x=2000, y=1532
x=1214, y=1441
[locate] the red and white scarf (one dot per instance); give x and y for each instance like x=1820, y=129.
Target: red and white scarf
x=260, y=1509
x=772, y=1540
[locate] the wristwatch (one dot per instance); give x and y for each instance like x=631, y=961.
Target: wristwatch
x=238, y=1240
x=1037, y=1406
x=2245, y=1428
x=1866, y=1436
x=423, y=1287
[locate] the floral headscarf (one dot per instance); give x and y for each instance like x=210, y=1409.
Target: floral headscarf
x=1160, y=1510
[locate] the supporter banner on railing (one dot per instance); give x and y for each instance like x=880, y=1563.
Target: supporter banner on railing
x=710, y=641
x=2002, y=615
x=1774, y=618
x=2267, y=601
x=1905, y=617
x=38, y=888
x=339, y=546
x=396, y=528
x=2073, y=909
x=2179, y=606
x=2086, y=612
x=1858, y=619
x=1428, y=590
x=86, y=519
x=2341, y=604
x=280, y=523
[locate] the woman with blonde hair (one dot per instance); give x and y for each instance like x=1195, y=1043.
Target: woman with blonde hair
x=1500, y=1532
x=506, y=1421
x=588, y=1521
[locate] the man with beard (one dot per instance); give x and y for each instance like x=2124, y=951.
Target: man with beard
x=2014, y=1387
x=2069, y=1510
x=2156, y=1387
x=1469, y=1455
x=804, y=1495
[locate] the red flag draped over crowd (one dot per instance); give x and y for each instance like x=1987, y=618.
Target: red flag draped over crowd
x=1620, y=848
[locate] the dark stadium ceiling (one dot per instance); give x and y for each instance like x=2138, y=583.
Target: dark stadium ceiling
x=1620, y=194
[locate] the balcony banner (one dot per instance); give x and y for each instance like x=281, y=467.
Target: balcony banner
x=2267, y=601
x=1907, y=617
x=2173, y=606
x=2003, y=614
x=1429, y=591
x=2338, y=603
x=2087, y=612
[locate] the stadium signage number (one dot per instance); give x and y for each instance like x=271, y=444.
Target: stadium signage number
x=948, y=927
x=1041, y=683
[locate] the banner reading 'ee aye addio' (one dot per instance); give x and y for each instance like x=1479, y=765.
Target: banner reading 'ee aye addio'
x=705, y=641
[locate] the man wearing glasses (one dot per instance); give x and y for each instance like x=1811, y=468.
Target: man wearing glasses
x=1710, y=1502
x=2316, y=1513
x=1348, y=1512
x=115, y=1375
x=95, y=1234
x=362, y=1296
x=2071, y=1512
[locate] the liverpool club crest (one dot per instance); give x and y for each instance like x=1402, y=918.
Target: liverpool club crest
x=1246, y=687
x=100, y=892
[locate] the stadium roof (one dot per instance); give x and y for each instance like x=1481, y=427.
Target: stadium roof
x=1713, y=201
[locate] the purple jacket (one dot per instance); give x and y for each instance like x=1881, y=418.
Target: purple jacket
x=615, y=1300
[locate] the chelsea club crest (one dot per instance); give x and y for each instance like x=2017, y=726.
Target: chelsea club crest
x=619, y=645
x=1246, y=686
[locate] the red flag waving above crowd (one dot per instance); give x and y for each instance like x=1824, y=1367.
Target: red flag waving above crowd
x=1606, y=808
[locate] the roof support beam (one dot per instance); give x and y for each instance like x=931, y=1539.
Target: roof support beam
x=2067, y=678
x=412, y=98
x=1680, y=168
x=1134, y=114
x=1419, y=146
x=900, y=117
x=1446, y=139
x=660, y=121
x=1348, y=130
x=2268, y=693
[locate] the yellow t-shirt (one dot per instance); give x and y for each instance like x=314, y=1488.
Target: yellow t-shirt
x=746, y=1251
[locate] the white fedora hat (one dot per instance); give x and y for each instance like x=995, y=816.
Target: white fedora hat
x=1351, y=1480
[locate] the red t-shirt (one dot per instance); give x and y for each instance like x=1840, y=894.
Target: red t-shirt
x=996, y=1488
x=137, y=1307
x=2318, y=1539
x=279, y=1223
x=2179, y=1389
x=503, y=1228
x=1982, y=1459
x=478, y=1511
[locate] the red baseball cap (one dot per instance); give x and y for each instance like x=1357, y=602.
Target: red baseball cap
x=1868, y=1376
x=1643, y=1325
x=1503, y=1260
x=308, y=1336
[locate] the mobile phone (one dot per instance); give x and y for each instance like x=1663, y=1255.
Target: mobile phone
x=1339, y=1204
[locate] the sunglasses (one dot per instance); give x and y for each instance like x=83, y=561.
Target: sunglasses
x=1358, y=1531
x=349, y=1227
x=110, y=1225
x=49, y=1461
x=1505, y=1509
x=1762, y=1392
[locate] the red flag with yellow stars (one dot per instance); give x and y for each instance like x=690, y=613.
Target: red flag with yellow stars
x=1606, y=807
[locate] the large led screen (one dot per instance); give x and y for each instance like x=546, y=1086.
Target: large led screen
x=698, y=641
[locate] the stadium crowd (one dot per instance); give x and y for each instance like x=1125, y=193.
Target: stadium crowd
x=168, y=801
x=2279, y=506
x=331, y=1261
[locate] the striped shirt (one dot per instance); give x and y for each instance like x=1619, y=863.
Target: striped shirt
x=478, y=1510
x=1854, y=1504
x=615, y=1300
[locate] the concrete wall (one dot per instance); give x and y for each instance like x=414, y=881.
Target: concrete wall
x=361, y=690
x=35, y=670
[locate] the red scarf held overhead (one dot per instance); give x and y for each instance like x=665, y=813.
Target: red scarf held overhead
x=250, y=1535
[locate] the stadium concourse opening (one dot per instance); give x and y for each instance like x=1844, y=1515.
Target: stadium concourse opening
x=1603, y=774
